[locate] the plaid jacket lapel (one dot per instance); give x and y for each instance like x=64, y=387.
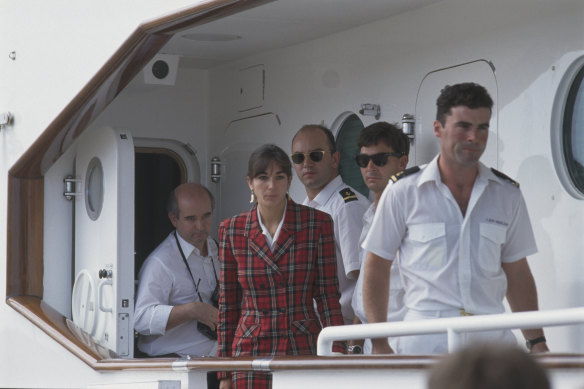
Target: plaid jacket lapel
x=257, y=241
x=286, y=236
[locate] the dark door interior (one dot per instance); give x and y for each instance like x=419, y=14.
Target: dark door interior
x=157, y=173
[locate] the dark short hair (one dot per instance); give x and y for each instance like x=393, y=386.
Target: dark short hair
x=263, y=156
x=388, y=133
x=329, y=135
x=488, y=366
x=172, y=204
x=466, y=94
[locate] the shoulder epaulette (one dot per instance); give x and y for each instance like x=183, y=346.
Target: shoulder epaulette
x=348, y=195
x=404, y=173
x=505, y=177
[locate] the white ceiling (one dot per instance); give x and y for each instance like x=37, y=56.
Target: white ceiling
x=278, y=24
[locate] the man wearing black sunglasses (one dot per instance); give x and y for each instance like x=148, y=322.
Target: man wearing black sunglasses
x=383, y=152
x=316, y=162
x=462, y=232
x=176, y=303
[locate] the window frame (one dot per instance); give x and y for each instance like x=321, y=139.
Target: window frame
x=574, y=73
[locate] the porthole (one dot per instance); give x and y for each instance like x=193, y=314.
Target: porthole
x=346, y=129
x=568, y=129
x=94, y=189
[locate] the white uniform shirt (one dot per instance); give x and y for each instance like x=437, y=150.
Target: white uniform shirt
x=448, y=261
x=396, y=308
x=164, y=282
x=348, y=222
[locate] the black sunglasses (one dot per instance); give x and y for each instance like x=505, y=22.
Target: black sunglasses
x=315, y=156
x=378, y=159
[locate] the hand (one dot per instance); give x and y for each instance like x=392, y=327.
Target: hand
x=206, y=314
x=225, y=383
x=381, y=346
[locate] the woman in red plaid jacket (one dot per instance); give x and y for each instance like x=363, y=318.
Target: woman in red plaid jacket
x=276, y=260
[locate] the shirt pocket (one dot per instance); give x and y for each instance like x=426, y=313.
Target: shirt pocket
x=492, y=238
x=428, y=246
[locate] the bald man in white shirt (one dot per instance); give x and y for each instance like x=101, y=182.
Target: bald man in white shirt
x=178, y=281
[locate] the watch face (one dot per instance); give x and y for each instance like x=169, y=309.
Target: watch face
x=355, y=349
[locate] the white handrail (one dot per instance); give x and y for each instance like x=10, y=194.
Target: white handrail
x=453, y=326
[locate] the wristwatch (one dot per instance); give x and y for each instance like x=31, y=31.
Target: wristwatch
x=532, y=342
x=355, y=349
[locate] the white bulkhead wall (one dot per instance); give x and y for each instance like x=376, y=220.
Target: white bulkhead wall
x=53, y=61
x=384, y=63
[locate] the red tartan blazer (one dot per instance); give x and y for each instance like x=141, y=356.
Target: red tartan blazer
x=266, y=299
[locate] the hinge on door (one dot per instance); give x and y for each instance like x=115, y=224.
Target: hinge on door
x=70, y=192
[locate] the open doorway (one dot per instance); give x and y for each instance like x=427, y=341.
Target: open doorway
x=161, y=165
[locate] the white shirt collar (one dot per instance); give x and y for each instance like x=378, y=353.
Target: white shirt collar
x=325, y=194
x=272, y=240
x=432, y=173
x=188, y=248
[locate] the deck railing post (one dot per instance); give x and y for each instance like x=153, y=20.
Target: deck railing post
x=453, y=326
x=453, y=339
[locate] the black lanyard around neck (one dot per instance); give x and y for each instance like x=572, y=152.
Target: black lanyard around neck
x=189, y=268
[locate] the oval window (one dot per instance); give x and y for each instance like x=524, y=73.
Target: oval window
x=568, y=129
x=346, y=129
x=573, y=132
x=94, y=188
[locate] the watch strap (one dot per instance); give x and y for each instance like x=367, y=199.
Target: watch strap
x=532, y=342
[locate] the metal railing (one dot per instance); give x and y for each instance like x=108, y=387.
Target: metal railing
x=453, y=326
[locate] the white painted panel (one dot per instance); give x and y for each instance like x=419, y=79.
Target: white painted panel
x=251, y=88
x=161, y=384
x=234, y=193
x=103, y=295
x=350, y=379
x=243, y=137
x=560, y=378
x=426, y=145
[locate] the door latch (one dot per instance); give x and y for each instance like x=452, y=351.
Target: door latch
x=105, y=273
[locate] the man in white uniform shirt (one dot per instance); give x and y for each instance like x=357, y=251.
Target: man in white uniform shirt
x=316, y=162
x=383, y=153
x=462, y=232
x=178, y=279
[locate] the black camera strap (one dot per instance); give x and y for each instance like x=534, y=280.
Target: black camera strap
x=189, y=268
